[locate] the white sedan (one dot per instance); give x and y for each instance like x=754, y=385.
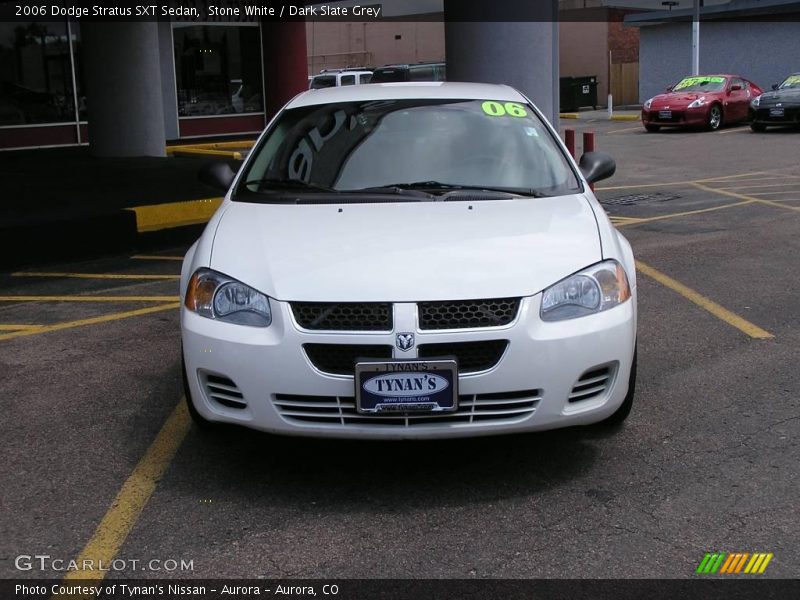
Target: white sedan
x=418, y=260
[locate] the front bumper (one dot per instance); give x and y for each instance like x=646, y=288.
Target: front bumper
x=762, y=115
x=688, y=117
x=527, y=390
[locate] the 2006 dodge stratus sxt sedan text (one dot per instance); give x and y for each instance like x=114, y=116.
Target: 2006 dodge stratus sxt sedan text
x=409, y=261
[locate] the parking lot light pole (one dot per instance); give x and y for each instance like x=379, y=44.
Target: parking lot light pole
x=696, y=37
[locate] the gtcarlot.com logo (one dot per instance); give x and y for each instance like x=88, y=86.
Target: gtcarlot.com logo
x=734, y=563
x=44, y=562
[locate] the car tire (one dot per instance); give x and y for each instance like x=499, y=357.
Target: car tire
x=715, y=118
x=624, y=409
x=652, y=128
x=758, y=127
x=202, y=423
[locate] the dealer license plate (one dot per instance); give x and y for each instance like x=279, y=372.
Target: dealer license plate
x=665, y=114
x=777, y=112
x=406, y=386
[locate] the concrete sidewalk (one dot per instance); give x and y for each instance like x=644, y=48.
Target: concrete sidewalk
x=63, y=203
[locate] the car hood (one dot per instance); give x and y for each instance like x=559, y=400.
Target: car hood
x=791, y=96
x=679, y=99
x=410, y=251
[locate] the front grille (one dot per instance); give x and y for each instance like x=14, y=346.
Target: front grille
x=340, y=359
x=467, y=314
x=353, y=316
x=223, y=391
x=472, y=357
x=341, y=411
x=591, y=384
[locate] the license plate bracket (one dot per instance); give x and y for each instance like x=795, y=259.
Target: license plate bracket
x=777, y=112
x=406, y=386
x=665, y=115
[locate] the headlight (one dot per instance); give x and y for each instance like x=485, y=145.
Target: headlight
x=217, y=296
x=648, y=103
x=698, y=103
x=593, y=290
x=755, y=102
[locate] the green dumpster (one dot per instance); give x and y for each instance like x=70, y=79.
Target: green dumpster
x=575, y=92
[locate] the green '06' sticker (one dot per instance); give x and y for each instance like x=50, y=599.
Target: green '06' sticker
x=511, y=109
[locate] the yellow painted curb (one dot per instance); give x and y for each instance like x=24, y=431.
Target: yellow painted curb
x=569, y=116
x=625, y=117
x=174, y=214
x=204, y=152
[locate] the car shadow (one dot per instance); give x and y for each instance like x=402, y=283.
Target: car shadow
x=347, y=475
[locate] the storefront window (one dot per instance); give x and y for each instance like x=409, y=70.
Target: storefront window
x=35, y=74
x=218, y=70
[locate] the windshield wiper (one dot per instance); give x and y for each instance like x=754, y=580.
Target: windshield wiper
x=288, y=184
x=449, y=188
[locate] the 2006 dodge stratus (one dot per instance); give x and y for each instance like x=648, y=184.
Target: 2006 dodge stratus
x=415, y=260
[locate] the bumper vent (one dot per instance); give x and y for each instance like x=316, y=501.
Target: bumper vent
x=592, y=384
x=223, y=391
x=321, y=316
x=467, y=314
x=341, y=411
x=472, y=357
x=340, y=359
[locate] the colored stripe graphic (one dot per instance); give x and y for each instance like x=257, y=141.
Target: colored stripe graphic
x=734, y=563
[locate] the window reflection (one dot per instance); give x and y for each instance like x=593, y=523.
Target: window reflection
x=35, y=74
x=218, y=70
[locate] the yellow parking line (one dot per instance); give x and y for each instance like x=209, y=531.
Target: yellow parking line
x=10, y=327
x=155, y=257
x=758, y=186
x=642, y=185
x=745, y=197
x=91, y=321
x=776, y=194
x=95, y=275
x=639, y=221
x=133, y=496
x=715, y=309
x=89, y=298
x=626, y=117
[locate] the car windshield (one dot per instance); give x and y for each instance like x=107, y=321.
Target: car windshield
x=323, y=81
x=700, y=84
x=792, y=83
x=388, y=145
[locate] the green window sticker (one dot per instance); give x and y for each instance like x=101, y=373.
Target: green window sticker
x=690, y=81
x=510, y=109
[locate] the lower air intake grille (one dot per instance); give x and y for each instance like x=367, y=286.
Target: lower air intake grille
x=325, y=316
x=340, y=359
x=467, y=314
x=341, y=411
x=472, y=356
x=591, y=384
x=223, y=391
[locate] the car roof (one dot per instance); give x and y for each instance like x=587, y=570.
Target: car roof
x=437, y=90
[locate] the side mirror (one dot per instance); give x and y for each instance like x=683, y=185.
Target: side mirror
x=775, y=86
x=736, y=87
x=597, y=166
x=217, y=175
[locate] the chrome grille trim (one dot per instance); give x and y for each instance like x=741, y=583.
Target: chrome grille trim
x=341, y=410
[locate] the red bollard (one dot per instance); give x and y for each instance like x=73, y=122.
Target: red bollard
x=588, y=141
x=569, y=140
x=588, y=146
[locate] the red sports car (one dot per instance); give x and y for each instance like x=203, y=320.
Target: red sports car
x=701, y=101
